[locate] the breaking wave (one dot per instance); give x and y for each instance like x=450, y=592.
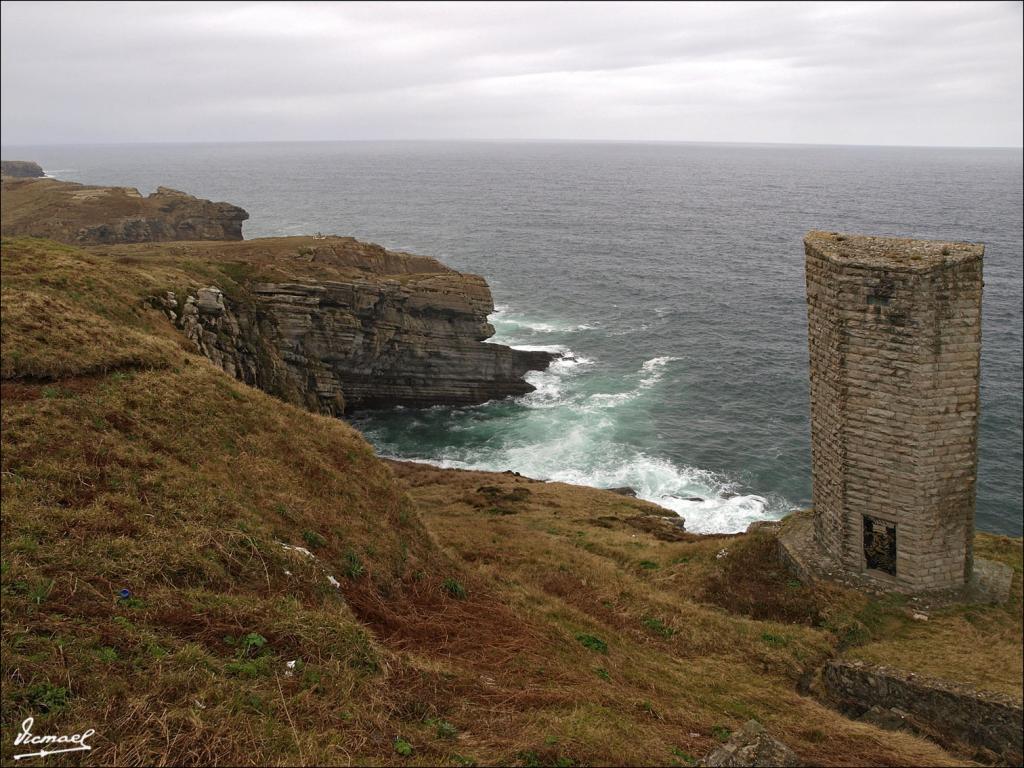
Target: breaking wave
x=569, y=430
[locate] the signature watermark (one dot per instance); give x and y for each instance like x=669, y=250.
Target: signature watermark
x=75, y=742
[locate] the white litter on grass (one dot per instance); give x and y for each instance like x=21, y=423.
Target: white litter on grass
x=334, y=582
x=722, y=553
x=287, y=572
x=291, y=668
x=920, y=617
x=300, y=550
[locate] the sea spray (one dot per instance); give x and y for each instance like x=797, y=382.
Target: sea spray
x=569, y=430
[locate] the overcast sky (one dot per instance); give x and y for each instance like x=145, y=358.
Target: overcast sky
x=844, y=73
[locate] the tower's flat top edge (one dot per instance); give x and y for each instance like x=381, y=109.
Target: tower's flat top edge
x=892, y=252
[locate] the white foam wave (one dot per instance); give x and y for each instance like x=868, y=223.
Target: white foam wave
x=650, y=373
x=694, y=494
x=655, y=369
x=549, y=384
x=555, y=349
x=566, y=432
x=502, y=317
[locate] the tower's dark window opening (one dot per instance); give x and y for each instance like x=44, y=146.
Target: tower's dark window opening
x=880, y=545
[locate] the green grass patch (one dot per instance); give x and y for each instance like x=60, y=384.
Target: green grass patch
x=313, y=539
x=593, y=642
x=775, y=641
x=658, y=627
x=452, y=588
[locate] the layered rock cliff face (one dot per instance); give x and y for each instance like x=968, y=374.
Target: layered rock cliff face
x=367, y=333
x=22, y=169
x=79, y=214
x=328, y=323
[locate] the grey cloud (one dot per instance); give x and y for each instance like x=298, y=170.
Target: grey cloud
x=899, y=73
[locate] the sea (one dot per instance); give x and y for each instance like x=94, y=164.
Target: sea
x=669, y=275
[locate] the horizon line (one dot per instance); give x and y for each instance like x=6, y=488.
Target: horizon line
x=511, y=141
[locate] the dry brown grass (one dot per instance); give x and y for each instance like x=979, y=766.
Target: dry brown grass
x=471, y=609
x=979, y=645
x=47, y=338
x=697, y=643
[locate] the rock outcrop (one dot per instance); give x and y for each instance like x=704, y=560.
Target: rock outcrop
x=752, y=747
x=86, y=215
x=370, y=341
x=21, y=169
x=950, y=713
x=327, y=323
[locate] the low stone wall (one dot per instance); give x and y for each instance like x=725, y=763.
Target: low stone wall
x=952, y=715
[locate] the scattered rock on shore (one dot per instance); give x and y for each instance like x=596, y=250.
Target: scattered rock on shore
x=752, y=747
x=624, y=490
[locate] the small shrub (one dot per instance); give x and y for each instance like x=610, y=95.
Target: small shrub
x=311, y=679
x=648, y=565
x=39, y=591
x=658, y=626
x=776, y=641
x=251, y=644
x=452, y=588
x=446, y=730
x=354, y=567
x=603, y=674
x=686, y=757
x=313, y=539
x=593, y=642
x=47, y=698
x=403, y=747
x=849, y=632
x=156, y=651
x=249, y=703
x=720, y=732
x=362, y=656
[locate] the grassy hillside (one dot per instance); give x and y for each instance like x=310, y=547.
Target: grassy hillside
x=204, y=574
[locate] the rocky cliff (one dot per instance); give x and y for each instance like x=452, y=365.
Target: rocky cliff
x=336, y=325
x=328, y=323
x=75, y=213
x=22, y=169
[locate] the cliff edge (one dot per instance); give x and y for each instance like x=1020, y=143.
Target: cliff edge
x=327, y=323
x=334, y=324
x=86, y=215
x=21, y=169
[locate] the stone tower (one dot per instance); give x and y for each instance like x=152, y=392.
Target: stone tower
x=894, y=330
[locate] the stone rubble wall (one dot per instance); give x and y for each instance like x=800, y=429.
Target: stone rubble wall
x=952, y=715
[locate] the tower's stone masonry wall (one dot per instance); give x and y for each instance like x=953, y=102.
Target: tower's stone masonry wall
x=894, y=331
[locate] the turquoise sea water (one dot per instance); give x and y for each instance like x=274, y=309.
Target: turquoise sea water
x=672, y=274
